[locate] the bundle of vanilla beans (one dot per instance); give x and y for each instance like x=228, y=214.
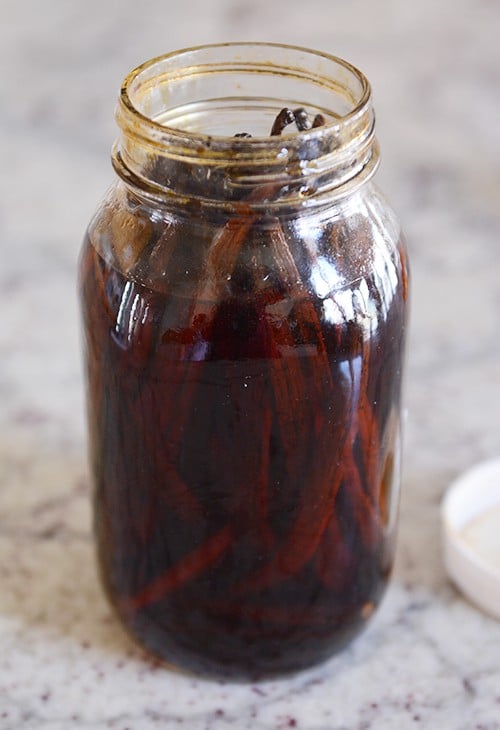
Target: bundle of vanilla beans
x=236, y=437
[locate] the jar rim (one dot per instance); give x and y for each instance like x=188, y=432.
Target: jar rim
x=215, y=141
x=221, y=85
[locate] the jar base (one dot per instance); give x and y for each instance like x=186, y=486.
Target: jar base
x=242, y=657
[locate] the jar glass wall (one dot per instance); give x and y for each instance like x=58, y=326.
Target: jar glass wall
x=244, y=308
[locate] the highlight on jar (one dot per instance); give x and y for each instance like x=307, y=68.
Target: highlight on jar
x=244, y=295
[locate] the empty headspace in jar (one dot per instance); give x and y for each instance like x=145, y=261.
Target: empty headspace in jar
x=179, y=114
x=227, y=116
x=222, y=90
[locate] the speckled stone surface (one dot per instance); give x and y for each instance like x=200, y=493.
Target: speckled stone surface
x=428, y=659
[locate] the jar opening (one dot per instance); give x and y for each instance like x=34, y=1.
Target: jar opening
x=188, y=105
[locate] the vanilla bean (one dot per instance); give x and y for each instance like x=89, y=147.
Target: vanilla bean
x=309, y=384
x=301, y=119
x=318, y=121
x=284, y=118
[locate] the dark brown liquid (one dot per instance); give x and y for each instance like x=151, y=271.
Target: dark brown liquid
x=242, y=454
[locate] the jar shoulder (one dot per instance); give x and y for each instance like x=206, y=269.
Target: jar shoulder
x=316, y=252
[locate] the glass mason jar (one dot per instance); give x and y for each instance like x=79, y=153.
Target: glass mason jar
x=244, y=307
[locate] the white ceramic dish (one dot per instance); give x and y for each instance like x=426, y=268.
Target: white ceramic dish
x=471, y=535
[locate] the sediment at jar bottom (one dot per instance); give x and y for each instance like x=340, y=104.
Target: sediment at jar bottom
x=240, y=451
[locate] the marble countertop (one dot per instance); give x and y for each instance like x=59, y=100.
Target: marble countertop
x=428, y=659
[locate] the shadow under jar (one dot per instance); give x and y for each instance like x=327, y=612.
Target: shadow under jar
x=244, y=306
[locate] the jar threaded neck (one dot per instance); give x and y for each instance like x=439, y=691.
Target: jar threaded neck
x=178, y=115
